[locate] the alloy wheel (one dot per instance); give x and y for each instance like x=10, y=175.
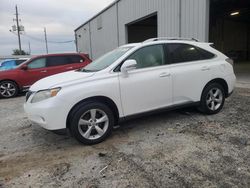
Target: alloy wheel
x=7, y=89
x=93, y=124
x=214, y=99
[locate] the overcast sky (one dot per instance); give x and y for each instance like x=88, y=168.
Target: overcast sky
x=60, y=17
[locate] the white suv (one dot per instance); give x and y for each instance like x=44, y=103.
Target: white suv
x=131, y=80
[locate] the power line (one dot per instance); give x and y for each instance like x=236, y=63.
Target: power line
x=42, y=40
x=49, y=41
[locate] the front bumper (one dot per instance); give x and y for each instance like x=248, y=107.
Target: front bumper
x=51, y=114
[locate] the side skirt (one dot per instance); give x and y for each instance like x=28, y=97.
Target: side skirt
x=165, y=109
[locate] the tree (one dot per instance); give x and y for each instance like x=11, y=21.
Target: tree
x=18, y=52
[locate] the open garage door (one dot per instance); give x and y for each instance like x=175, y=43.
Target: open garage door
x=142, y=29
x=230, y=32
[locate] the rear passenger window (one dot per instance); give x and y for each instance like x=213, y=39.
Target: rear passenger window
x=180, y=53
x=57, y=61
x=75, y=59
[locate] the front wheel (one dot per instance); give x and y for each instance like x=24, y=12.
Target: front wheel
x=91, y=123
x=213, y=98
x=8, y=89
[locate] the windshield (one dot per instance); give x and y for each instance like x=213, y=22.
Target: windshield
x=106, y=60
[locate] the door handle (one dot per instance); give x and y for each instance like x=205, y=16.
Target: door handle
x=69, y=68
x=205, y=68
x=164, y=74
x=43, y=71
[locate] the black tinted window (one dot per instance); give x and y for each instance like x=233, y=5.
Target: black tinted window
x=75, y=59
x=205, y=54
x=184, y=53
x=57, y=61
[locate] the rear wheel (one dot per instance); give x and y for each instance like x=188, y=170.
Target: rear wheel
x=213, y=98
x=91, y=123
x=8, y=89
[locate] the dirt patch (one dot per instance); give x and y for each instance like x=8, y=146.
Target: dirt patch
x=182, y=148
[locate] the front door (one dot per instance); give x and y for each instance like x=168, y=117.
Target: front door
x=37, y=70
x=149, y=86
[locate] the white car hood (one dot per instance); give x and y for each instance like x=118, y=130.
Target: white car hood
x=60, y=80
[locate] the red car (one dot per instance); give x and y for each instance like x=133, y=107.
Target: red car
x=22, y=77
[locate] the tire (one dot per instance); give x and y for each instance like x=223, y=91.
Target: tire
x=8, y=89
x=91, y=123
x=212, y=99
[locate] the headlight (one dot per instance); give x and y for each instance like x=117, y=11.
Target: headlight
x=45, y=94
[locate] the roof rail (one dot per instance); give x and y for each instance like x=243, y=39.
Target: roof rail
x=169, y=38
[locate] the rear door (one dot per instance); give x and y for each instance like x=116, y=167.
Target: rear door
x=58, y=64
x=190, y=70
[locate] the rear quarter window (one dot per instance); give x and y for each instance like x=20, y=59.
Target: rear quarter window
x=205, y=54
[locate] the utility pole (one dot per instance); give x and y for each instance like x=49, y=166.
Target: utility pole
x=76, y=42
x=46, y=42
x=18, y=30
x=29, y=48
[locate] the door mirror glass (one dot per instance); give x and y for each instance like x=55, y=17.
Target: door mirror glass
x=128, y=65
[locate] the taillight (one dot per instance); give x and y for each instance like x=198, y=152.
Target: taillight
x=230, y=61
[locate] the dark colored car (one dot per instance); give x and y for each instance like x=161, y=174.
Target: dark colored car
x=23, y=76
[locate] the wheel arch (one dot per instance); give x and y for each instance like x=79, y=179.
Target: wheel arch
x=102, y=99
x=220, y=81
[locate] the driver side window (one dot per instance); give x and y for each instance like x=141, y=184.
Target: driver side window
x=37, y=63
x=150, y=56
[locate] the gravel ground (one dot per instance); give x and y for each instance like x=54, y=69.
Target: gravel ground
x=182, y=148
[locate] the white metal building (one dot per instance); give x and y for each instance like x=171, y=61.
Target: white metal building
x=126, y=21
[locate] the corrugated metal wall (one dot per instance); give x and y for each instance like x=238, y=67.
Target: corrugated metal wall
x=176, y=18
x=83, y=39
x=104, y=39
x=195, y=19
x=167, y=11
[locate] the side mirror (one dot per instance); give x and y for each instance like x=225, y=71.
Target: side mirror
x=24, y=67
x=128, y=65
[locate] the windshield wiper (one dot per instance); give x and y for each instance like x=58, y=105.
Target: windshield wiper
x=85, y=70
